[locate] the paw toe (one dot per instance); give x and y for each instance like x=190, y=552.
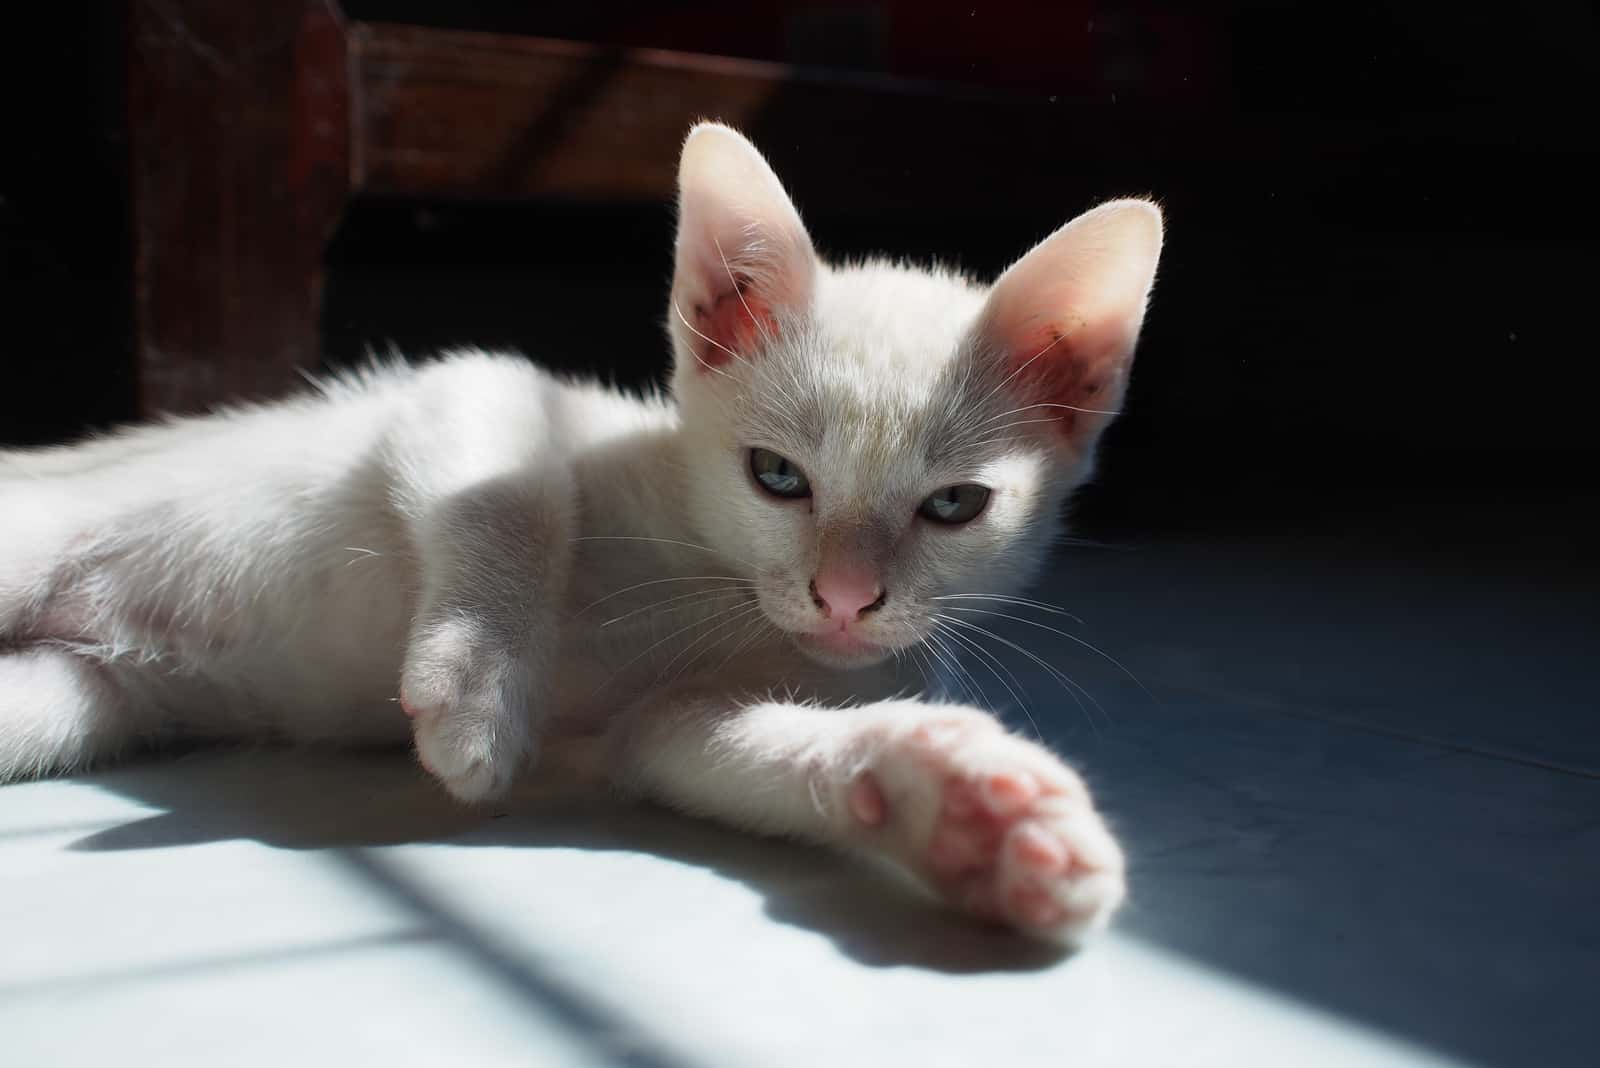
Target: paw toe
x=1009, y=791
x=1037, y=907
x=1036, y=849
x=866, y=800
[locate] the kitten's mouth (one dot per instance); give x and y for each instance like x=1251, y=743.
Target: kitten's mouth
x=840, y=648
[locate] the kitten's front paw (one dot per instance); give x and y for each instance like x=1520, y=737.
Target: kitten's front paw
x=470, y=716
x=998, y=825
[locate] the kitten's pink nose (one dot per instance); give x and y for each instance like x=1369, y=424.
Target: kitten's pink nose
x=846, y=595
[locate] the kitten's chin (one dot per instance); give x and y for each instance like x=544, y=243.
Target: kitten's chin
x=837, y=649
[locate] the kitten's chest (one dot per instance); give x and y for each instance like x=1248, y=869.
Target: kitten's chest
x=704, y=645
x=629, y=631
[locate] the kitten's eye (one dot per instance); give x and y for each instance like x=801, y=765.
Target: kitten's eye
x=778, y=476
x=956, y=504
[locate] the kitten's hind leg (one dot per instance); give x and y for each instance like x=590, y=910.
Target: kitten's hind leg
x=58, y=712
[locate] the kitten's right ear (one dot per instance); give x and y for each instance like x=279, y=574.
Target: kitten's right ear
x=744, y=260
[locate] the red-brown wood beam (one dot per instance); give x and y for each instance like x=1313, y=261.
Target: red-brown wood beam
x=485, y=115
x=442, y=113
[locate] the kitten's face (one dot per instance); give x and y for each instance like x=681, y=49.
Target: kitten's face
x=867, y=443
x=861, y=472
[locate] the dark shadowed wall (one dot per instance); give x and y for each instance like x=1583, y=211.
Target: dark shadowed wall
x=1372, y=308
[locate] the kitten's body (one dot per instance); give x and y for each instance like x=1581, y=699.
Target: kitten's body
x=262, y=558
x=508, y=557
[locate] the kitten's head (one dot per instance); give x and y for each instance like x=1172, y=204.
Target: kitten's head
x=867, y=440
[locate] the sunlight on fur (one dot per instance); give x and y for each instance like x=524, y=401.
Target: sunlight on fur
x=738, y=587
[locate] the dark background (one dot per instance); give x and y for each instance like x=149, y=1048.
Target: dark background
x=1373, y=312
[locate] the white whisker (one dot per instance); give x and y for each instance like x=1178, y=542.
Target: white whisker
x=1067, y=683
x=665, y=541
x=914, y=652
x=652, y=648
x=935, y=680
x=657, y=582
x=963, y=677
x=1023, y=367
x=985, y=656
x=1096, y=650
x=695, y=598
x=1051, y=404
x=998, y=434
x=736, y=616
x=1003, y=598
x=749, y=639
x=711, y=340
x=757, y=323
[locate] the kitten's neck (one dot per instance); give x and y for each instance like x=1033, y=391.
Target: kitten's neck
x=633, y=486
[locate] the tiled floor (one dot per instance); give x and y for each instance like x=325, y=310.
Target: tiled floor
x=1362, y=801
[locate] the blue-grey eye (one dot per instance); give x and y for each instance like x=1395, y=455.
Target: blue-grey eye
x=956, y=504
x=777, y=475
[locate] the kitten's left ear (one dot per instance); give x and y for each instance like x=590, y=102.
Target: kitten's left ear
x=744, y=260
x=1064, y=318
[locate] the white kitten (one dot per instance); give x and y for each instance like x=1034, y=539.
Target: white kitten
x=518, y=557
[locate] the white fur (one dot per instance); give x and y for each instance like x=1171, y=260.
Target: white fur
x=496, y=548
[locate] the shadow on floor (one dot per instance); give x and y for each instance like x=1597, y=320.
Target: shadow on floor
x=1370, y=785
x=355, y=803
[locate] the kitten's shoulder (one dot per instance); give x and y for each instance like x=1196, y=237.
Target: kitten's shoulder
x=494, y=385
x=468, y=369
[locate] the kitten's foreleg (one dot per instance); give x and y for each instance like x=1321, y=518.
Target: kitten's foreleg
x=494, y=561
x=997, y=825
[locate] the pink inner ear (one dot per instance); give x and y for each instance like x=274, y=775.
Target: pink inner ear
x=736, y=322
x=1076, y=370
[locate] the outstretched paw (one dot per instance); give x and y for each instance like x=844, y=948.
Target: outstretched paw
x=997, y=825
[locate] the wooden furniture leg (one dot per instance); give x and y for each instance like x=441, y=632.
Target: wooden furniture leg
x=239, y=129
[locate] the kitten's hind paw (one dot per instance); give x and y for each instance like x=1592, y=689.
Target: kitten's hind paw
x=997, y=825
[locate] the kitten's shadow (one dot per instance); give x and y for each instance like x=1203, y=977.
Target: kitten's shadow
x=350, y=801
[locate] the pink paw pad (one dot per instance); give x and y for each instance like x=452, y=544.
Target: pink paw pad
x=956, y=849
x=1016, y=845
x=866, y=800
x=1038, y=849
x=1009, y=792
x=1036, y=907
x=960, y=801
x=997, y=826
